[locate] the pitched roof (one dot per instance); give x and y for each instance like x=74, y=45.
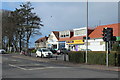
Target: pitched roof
x=56, y=34
x=97, y=33
x=41, y=39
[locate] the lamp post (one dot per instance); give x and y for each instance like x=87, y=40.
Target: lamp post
x=87, y=35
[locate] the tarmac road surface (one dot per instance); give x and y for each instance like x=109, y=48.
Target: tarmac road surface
x=15, y=67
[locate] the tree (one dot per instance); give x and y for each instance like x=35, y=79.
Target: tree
x=7, y=29
x=27, y=22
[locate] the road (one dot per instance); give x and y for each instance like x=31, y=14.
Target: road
x=15, y=67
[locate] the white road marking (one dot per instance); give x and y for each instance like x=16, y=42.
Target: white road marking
x=47, y=68
x=36, y=68
x=17, y=67
x=14, y=60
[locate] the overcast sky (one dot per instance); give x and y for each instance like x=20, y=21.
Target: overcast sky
x=57, y=16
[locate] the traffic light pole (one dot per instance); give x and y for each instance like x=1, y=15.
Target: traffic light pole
x=107, y=58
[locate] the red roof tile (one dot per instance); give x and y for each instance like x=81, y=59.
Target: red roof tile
x=56, y=34
x=41, y=39
x=64, y=39
x=97, y=33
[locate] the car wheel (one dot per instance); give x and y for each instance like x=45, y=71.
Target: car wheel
x=36, y=55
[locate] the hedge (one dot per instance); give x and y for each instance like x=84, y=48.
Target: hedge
x=95, y=57
x=76, y=57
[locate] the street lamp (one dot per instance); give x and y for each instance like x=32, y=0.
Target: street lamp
x=87, y=35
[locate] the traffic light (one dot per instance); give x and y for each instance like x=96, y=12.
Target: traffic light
x=104, y=34
x=108, y=34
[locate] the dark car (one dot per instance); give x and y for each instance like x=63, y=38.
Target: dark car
x=63, y=51
x=53, y=51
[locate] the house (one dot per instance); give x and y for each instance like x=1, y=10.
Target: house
x=52, y=41
x=77, y=42
x=41, y=42
x=96, y=42
x=63, y=36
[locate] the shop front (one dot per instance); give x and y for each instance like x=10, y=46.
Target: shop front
x=61, y=44
x=75, y=45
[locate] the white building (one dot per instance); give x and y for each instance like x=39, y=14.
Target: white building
x=96, y=42
x=63, y=36
x=41, y=42
x=52, y=41
x=77, y=42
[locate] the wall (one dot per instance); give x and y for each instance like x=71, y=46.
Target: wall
x=80, y=31
x=52, y=40
x=40, y=45
x=96, y=45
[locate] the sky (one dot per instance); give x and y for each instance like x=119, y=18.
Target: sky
x=59, y=16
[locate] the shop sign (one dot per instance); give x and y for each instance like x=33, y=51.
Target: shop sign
x=75, y=42
x=78, y=41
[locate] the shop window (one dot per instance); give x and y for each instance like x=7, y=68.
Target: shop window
x=54, y=46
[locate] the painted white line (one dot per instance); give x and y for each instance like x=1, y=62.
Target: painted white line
x=36, y=68
x=14, y=60
x=17, y=67
x=47, y=68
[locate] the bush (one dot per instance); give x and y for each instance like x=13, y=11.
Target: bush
x=33, y=51
x=95, y=57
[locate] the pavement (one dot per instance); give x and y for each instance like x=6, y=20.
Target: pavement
x=67, y=63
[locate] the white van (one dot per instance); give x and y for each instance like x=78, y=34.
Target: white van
x=43, y=52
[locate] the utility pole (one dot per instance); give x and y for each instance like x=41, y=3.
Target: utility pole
x=87, y=36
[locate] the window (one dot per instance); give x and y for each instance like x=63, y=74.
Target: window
x=80, y=32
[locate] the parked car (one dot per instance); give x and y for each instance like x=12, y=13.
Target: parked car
x=43, y=52
x=85, y=50
x=53, y=51
x=63, y=51
x=2, y=51
x=23, y=52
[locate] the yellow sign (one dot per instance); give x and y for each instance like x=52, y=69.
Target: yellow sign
x=75, y=42
x=78, y=41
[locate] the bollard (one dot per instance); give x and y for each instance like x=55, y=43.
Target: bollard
x=49, y=55
x=56, y=57
x=64, y=56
